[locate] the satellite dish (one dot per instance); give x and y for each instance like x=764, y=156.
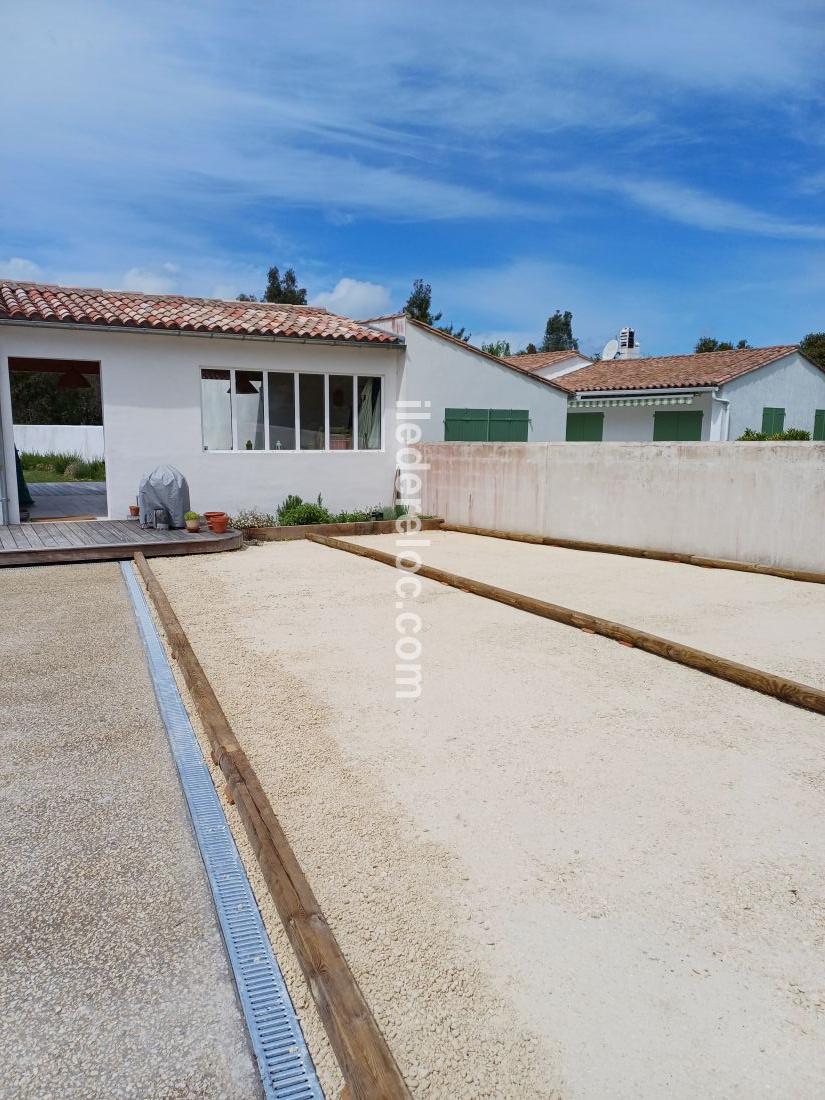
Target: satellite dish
x=610, y=349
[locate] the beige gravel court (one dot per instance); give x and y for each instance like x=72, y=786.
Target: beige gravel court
x=571, y=868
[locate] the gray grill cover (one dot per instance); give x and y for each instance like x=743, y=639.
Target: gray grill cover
x=165, y=488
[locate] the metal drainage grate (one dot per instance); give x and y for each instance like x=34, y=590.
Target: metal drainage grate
x=285, y=1065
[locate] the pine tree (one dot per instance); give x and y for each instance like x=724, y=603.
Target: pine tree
x=558, y=333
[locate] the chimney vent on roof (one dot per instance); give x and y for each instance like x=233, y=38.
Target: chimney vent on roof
x=628, y=348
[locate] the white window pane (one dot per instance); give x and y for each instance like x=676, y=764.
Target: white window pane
x=216, y=405
x=311, y=412
x=369, y=414
x=340, y=412
x=249, y=409
x=281, y=411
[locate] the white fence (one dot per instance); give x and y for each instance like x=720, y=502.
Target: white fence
x=759, y=502
x=83, y=439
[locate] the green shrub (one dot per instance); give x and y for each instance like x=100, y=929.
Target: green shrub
x=296, y=511
x=72, y=467
x=288, y=505
x=788, y=435
x=193, y=515
x=352, y=517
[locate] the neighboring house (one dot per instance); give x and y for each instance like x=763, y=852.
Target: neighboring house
x=712, y=396
x=253, y=401
x=549, y=364
x=472, y=396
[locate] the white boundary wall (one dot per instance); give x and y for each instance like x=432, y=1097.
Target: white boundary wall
x=83, y=439
x=758, y=502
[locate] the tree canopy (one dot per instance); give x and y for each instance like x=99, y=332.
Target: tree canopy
x=419, y=306
x=36, y=398
x=499, y=348
x=813, y=347
x=708, y=343
x=279, y=289
x=558, y=333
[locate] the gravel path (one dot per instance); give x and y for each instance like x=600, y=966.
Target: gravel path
x=113, y=976
x=774, y=624
x=569, y=869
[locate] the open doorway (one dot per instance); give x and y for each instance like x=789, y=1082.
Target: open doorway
x=58, y=437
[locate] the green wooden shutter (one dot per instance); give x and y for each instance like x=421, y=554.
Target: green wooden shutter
x=773, y=420
x=819, y=424
x=509, y=425
x=584, y=427
x=466, y=425
x=677, y=427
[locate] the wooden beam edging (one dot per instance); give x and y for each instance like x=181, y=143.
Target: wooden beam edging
x=367, y=1063
x=639, y=552
x=360, y=527
x=768, y=683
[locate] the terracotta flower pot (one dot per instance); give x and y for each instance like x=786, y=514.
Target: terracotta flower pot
x=216, y=521
x=134, y=510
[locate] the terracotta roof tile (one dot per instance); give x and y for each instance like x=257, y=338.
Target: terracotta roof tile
x=128, y=309
x=534, y=362
x=666, y=371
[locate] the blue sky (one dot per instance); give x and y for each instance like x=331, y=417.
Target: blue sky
x=645, y=163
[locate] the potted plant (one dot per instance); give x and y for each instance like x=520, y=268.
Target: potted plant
x=192, y=521
x=216, y=521
x=134, y=511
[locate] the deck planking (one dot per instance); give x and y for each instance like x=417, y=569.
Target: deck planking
x=47, y=543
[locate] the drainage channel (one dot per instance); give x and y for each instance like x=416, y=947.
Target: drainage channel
x=283, y=1059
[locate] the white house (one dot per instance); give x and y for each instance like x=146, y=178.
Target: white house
x=253, y=401
x=472, y=396
x=711, y=396
x=550, y=364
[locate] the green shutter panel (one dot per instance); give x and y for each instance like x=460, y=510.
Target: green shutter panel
x=677, y=427
x=819, y=424
x=773, y=420
x=466, y=425
x=584, y=427
x=509, y=425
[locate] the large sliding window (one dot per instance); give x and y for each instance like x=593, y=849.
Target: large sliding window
x=290, y=411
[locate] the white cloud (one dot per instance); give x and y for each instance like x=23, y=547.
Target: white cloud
x=150, y=282
x=20, y=270
x=687, y=205
x=357, y=299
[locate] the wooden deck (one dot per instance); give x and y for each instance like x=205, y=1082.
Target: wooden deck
x=102, y=540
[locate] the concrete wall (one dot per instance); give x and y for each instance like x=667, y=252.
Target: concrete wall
x=81, y=439
x=150, y=384
x=792, y=384
x=450, y=376
x=761, y=502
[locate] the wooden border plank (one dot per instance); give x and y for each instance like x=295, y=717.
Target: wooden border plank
x=638, y=552
x=768, y=683
x=366, y=1062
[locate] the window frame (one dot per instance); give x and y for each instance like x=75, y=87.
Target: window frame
x=296, y=449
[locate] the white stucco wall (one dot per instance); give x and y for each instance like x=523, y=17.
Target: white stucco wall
x=760, y=502
x=636, y=425
x=792, y=384
x=450, y=376
x=81, y=439
x=150, y=384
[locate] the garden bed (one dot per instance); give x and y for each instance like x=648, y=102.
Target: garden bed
x=364, y=527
